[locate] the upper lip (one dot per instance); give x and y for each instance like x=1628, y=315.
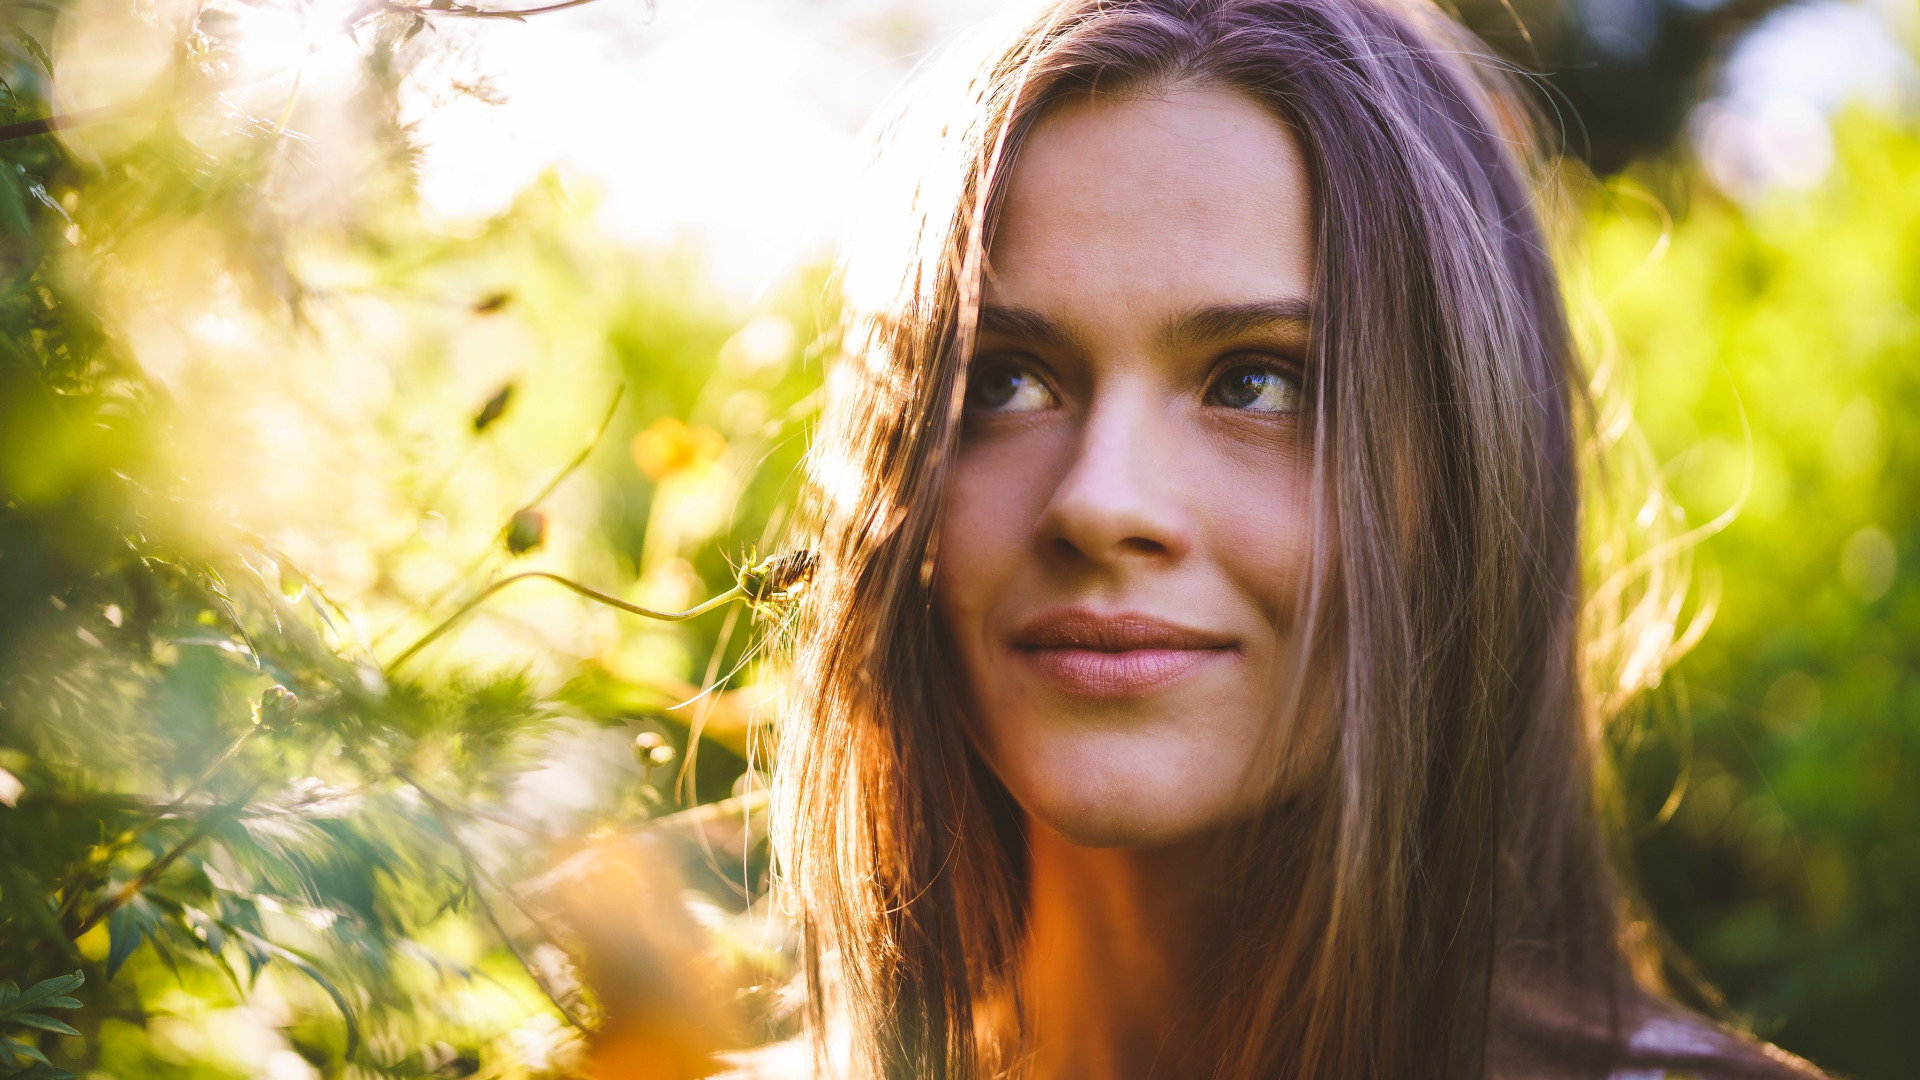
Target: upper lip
x=1080, y=628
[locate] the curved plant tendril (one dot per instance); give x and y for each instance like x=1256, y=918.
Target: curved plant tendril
x=767, y=583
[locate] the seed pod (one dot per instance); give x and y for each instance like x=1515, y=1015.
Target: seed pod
x=650, y=749
x=527, y=531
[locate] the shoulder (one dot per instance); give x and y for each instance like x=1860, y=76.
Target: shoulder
x=1539, y=1036
x=1679, y=1042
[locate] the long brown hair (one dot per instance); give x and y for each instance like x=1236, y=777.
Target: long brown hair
x=1442, y=904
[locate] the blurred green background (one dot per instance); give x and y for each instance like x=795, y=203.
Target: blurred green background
x=1775, y=349
x=326, y=317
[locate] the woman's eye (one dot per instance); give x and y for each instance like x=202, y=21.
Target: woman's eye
x=1003, y=387
x=1255, y=388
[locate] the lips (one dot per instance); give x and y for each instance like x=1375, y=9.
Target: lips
x=1116, y=655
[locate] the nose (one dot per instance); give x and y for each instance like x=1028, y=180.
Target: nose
x=1119, y=501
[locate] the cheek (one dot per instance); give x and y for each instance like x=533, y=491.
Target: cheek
x=994, y=499
x=1253, y=509
x=1268, y=550
x=1259, y=538
x=1265, y=552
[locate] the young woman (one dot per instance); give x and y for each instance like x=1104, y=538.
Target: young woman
x=1192, y=685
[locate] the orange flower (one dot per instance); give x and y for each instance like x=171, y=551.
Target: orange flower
x=668, y=447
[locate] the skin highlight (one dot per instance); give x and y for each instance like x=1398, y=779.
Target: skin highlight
x=1123, y=542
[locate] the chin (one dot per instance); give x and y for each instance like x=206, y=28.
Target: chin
x=1130, y=808
x=1113, y=827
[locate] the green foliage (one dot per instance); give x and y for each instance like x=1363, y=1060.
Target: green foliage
x=222, y=802
x=1775, y=350
x=25, y=1010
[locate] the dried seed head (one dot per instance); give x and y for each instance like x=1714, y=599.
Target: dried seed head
x=778, y=577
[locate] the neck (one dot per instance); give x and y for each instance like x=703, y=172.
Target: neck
x=1120, y=943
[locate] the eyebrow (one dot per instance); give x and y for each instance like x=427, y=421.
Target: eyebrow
x=1224, y=322
x=1200, y=326
x=1025, y=324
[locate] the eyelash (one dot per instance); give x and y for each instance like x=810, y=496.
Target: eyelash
x=984, y=366
x=1287, y=372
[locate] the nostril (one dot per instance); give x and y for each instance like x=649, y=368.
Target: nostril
x=1065, y=548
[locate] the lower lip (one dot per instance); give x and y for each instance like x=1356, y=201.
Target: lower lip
x=1118, y=674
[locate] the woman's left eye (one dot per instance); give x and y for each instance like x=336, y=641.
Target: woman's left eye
x=1256, y=388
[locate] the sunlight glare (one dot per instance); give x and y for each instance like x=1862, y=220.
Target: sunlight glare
x=730, y=127
x=272, y=38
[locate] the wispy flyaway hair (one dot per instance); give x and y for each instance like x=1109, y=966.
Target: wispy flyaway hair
x=1442, y=904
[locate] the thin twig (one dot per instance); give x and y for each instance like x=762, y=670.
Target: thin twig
x=478, y=877
x=159, y=866
x=46, y=125
x=206, y=774
x=526, y=962
x=699, y=725
x=463, y=12
x=155, y=813
x=586, y=451
x=706, y=814
x=493, y=546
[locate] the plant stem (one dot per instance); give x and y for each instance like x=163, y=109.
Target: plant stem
x=595, y=595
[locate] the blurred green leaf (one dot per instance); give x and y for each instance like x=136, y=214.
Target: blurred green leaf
x=41, y=1071
x=15, y=1049
x=44, y=1023
x=45, y=994
x=34, y=48
x=129, y=925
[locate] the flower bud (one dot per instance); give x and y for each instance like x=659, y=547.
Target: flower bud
x=527, y=531
x=494, y=409
x=276, y=709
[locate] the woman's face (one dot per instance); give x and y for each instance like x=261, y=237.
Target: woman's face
x=1124, y=536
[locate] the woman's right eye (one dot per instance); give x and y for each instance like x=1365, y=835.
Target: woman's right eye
x=1001, y=386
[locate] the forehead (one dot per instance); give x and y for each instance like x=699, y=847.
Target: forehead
x=1191, y=196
